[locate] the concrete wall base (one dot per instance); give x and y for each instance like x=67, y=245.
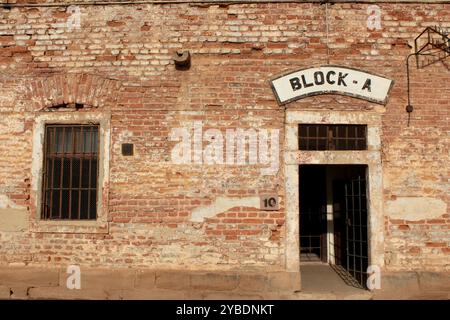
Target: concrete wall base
x=37, y=283
x=117, y=284
x=414, y=285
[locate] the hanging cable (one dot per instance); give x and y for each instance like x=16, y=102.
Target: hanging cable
x=409, y=107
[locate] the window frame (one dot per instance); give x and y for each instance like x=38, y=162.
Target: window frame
x=99, y=225
x=69, y=155
x=331, y=140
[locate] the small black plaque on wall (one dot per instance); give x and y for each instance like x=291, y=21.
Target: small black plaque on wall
x=127, y=149
x=269, y=202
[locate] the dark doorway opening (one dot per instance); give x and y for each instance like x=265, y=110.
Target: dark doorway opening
x=313, y=226
x=333, y=219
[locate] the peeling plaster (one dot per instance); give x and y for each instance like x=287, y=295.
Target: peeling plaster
x=222, y=204
x=13, y=220
x=6, y=202
x=415, y=208
x=12, y=216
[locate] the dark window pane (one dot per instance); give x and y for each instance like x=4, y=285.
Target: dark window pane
x=303, y=144
x=352, y=132
x=84, y=204
x=322, y=144
x=56, y=173
x=66, y=173
x=74, y=204
x=351, y=144
x=93, y=203
x=303, y=131
x=65, y=204
x=55, y=204
x=75, y=172
x=85, y=173
x=94, y=173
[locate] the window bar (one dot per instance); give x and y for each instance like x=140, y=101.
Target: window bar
x=347, y=225
x=360, y=230
x=317, y=138
x=329, y=143
x=336, y=143
x=307, y=137
x=91, y=138
x=46, y=173
x=70, y=173
x=44, y=205
x=81, y=171
x=315, y=133
x=62, y=171
x=52, y=182
x=353, y=229
x=363, y=139
x=346, y=138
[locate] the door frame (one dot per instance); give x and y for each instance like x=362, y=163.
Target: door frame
x=371, y=157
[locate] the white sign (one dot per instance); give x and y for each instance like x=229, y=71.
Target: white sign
x=331, y=79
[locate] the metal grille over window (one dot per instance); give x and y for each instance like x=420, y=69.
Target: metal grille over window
x=332, y=137
x=70, y=172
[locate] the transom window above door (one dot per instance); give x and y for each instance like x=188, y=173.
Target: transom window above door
x=332, y=137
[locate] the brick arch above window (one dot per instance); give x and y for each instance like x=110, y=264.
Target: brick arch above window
x=78, y=89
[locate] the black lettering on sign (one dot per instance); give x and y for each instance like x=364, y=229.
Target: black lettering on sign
x=306, y=85
x=269, y=202
x=341, y=79
x=367, y=85
x=295, y=83
x=329, y=74
x=319, y=78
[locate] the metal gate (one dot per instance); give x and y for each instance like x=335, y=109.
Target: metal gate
x=356, y=230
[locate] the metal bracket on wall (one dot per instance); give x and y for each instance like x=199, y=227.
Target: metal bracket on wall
x=431, y=46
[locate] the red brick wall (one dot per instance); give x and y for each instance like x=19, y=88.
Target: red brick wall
x=235, y=50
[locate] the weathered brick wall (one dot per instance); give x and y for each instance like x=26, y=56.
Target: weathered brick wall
x=235, y=50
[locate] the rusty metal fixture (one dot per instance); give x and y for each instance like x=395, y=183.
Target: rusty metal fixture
x=433, y=44
x=182, y=60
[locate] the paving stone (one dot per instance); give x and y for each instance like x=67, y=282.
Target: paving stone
x=150, y=294
x=101, y=278
x=28, y=276
x=65, y=294
x=4, y=292
x=145, y=279
x=20, y=293
x=172, y=280
x=433, y=281
x=250, y=283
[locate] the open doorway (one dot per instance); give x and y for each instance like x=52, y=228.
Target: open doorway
x=334, y=218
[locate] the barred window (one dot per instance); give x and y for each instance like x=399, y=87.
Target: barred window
x=70, y=172
x=332, y=137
